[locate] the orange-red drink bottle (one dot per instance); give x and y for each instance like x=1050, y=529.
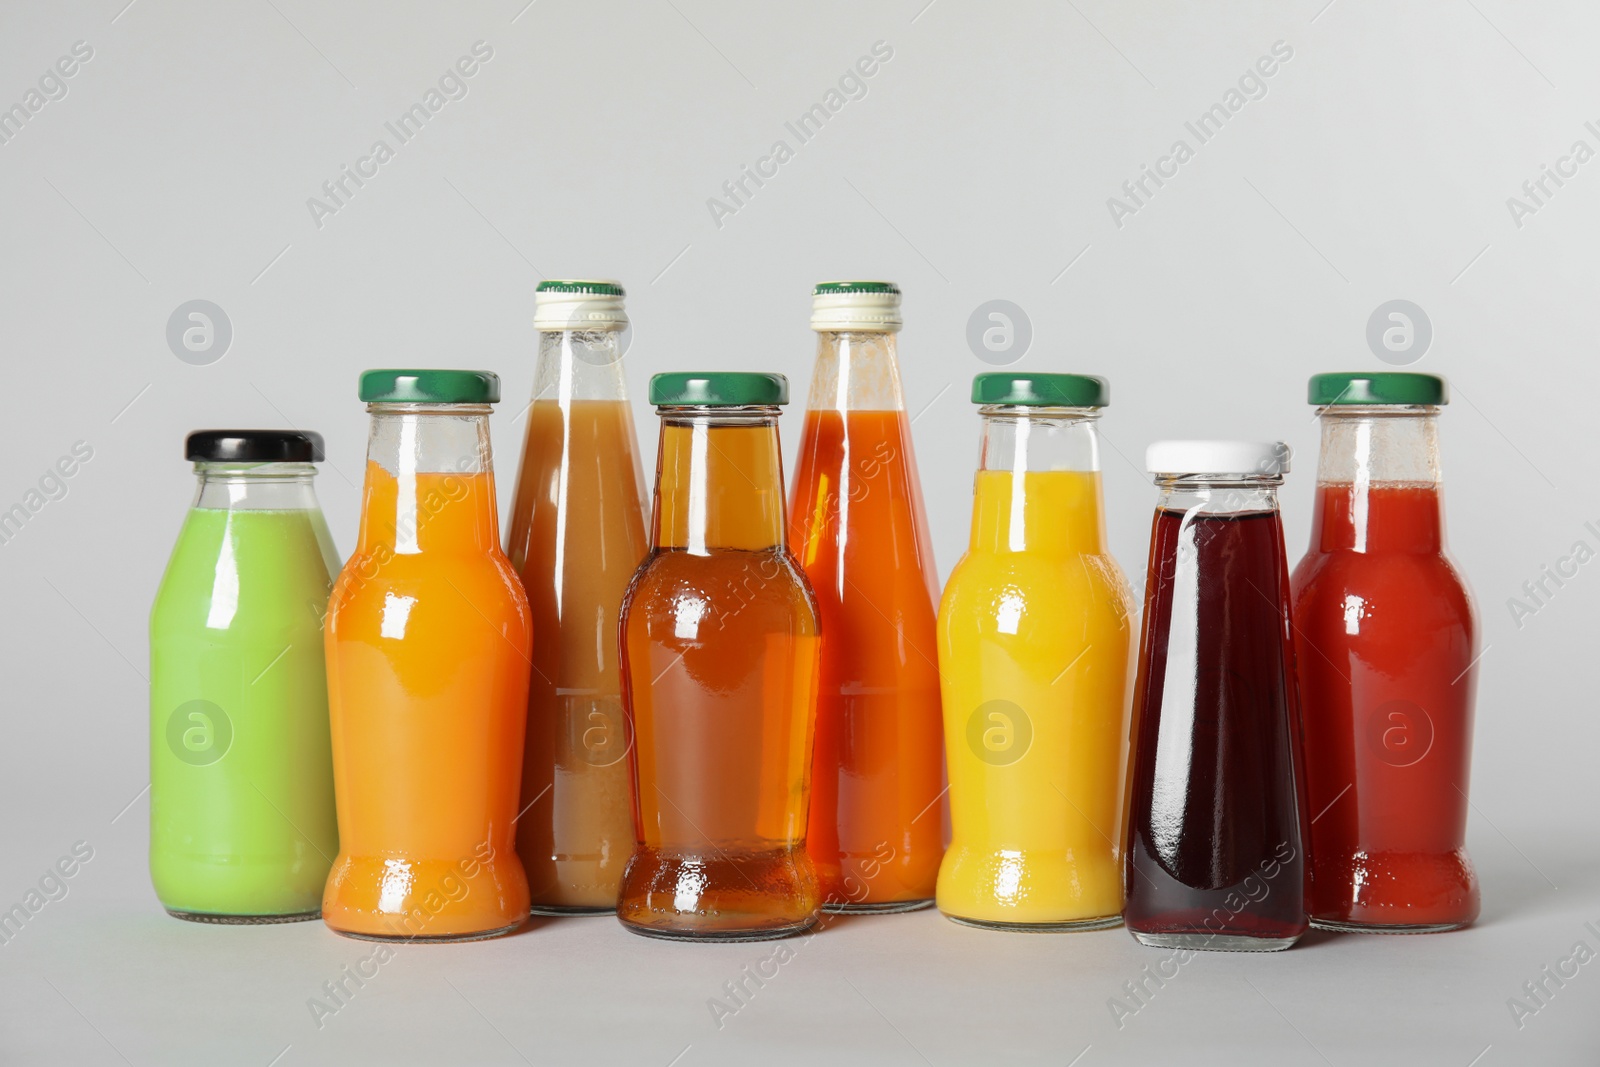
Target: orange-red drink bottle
x=577, y=536
x=719, y=664
x=858, y=528
x=428, y=643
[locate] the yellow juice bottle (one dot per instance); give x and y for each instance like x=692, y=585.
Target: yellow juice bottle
x=1035, y=634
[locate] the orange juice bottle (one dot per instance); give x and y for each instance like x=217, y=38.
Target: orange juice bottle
x=428, y=641
x=858, y=528
x=1035, y=650
x=577, y=535
x=719, y=660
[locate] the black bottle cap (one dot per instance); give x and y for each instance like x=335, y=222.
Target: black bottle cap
x=253, y=446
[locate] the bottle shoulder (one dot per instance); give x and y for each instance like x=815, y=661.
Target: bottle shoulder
x=1391, y=575
x=753, y=584
x=986, y=583
x=374, y=574
x=1391, y=598
x=243, y=569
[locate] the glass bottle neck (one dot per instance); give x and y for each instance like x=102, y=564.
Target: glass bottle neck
x=430, y=480
x=1039, y=439
x=1219, y=495
x=255, y=486
x=719, y=480
x=1381, y=444
x=1378, y=481
x=1038, y=483
x=856, y=371
x=579, y=365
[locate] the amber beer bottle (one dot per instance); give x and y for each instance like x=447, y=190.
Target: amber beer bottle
x=720, y=644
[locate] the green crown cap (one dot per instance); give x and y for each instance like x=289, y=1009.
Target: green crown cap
x=579, y=285
x=1041, y=390
x=718, y=389
x=430, y=387
x=823, y=288
x=1377, y=387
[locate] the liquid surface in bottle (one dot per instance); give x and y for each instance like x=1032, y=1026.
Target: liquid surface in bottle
x=1035, y=633
x=428, y=643
x=577, y=536
x=857, y=526
x=1214, y=841
x=1385, y=633
x=721, y=645
x=241, y=793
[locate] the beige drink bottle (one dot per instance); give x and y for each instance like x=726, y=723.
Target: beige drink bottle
x=577, y=535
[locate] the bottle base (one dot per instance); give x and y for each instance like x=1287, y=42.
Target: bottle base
x=243, y=920
x=420, y=939
x=887, y=907
x=771, y=933
x=1216, y=942
x=568, y=911
x=684, y=894
x=1105, y=922
x=1340, y=927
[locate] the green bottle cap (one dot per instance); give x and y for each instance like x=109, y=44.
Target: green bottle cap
x=579, y=285
x=430, y=387
x=824, y=288
x=1377, y=387
x=718, y=389
x=1041, y=390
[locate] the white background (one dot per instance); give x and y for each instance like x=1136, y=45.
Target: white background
x=977, y=166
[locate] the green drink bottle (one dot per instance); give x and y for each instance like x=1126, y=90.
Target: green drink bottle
x=242, y=823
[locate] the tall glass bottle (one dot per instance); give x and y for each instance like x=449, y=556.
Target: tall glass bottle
x=577, y=535
x=1034, y=642
x=858, y=527
x=1214, y=857
x=719, y=657
x=428, y=647
x=241, y=782
x=1388, y=658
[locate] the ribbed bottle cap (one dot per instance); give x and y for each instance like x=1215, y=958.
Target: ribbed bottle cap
x=1218, y=457
x=578, y=304
x=865, y=307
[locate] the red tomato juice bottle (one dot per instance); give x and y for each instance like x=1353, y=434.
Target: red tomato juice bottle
x=1387, y=651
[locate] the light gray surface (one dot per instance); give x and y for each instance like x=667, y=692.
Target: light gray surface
x=977, y=167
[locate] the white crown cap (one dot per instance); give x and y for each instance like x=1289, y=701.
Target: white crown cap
x=583, y=304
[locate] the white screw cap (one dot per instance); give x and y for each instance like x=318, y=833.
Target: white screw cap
x=1218, y=457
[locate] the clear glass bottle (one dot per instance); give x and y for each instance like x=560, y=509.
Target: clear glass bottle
x=858, y=527
x=719, y=657
x=577, y=535
x=241, y=782
x=428, y=648
x=1035, y=636
x=1214, y=855
x=1388, y=653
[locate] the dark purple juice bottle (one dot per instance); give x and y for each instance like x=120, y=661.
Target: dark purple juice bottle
x=1214, y=859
